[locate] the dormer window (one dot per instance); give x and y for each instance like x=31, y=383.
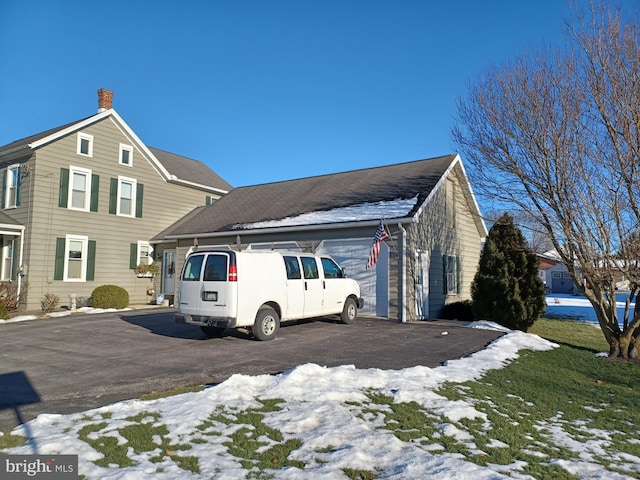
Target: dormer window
x=85, y=144
x=126, y=155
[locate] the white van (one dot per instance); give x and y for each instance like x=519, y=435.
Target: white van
x=222, y=289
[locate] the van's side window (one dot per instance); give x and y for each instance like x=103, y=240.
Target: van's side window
x=331, y=269
x=192, y=268
x=293, y=267
x=215, y=270
x=309, y=267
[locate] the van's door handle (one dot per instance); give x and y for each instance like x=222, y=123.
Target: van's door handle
x=305, y=285
x=324, y=285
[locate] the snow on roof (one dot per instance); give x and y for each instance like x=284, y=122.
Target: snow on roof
x=397, y=208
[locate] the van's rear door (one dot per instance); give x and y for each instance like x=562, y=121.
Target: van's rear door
x=219, y=284
x=190, y=286
x=209, y=285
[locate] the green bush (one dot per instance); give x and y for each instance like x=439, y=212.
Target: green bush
x=458, y=311
x=4, y=313
x=109, y=296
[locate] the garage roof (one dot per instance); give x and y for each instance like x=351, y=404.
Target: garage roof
x=253, y=207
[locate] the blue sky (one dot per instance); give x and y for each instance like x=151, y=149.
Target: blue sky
x=263, y=90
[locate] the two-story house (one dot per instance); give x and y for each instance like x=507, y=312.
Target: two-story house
x=80, y=202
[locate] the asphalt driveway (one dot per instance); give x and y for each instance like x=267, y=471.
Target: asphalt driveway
x=79, y=362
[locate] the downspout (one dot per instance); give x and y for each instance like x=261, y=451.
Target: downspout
x=403, y=274
x=21, y=269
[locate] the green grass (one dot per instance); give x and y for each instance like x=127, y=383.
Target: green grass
x=572, y=334
x=248, y=441
x=8, y=440
x=142, y=434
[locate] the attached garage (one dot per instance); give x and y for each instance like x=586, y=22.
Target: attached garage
x=434, y=225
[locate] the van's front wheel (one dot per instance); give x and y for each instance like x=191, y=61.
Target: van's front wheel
x=266, y=325
x=350, y=311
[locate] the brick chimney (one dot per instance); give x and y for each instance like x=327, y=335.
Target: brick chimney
x=105, y=100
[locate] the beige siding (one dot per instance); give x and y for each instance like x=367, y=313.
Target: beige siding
x=163, y=203
x=443, y=231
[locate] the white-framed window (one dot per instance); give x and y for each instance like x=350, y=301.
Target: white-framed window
x=451, y=274
x=75, y=258
x=79, y=188
x=145, y=251
x=126, y=196
x=12, y=182
x=126, y=155
x=85, y=144
x=7, y=258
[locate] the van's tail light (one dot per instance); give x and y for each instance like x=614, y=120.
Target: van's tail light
x=233, y=273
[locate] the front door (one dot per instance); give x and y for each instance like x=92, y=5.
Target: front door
x=169, y=272
x=422, y=285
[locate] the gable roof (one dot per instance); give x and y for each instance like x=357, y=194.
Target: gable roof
x=188, y=170
x=396, y=191
x=173, y=168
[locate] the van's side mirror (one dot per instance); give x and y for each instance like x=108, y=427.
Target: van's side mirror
x=344, y=273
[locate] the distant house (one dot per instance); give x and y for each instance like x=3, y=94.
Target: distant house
x=555, y=274
x=427, y=206
x=81, y=202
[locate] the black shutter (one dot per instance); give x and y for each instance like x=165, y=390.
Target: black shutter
x=91, y=260
x=133, y=255
x=63, y=198
x=113, y=196
x=95, y=190
x=58, y=268
x=139, y=196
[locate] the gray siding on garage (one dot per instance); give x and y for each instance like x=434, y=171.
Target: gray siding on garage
x=438, y=233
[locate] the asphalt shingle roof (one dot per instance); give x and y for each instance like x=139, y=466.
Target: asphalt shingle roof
x=190, y=170
x=273, y=201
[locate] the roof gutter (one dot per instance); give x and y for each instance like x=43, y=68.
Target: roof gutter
x=174, y=179
x=292, y=228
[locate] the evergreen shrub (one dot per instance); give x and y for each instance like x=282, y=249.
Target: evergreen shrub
x=109, y=296
x=506, y=288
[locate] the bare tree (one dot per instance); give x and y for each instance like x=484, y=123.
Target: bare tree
x=556, y=134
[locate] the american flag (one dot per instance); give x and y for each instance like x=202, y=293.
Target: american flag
x=380, y=236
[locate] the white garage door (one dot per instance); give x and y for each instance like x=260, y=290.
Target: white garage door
x=352, y=255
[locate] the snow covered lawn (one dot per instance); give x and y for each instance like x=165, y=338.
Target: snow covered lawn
x=577, y=307
x=315, y=422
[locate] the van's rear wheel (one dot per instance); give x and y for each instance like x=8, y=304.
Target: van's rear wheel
x=266, y=325
x=350, y=311
x=212, y=332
